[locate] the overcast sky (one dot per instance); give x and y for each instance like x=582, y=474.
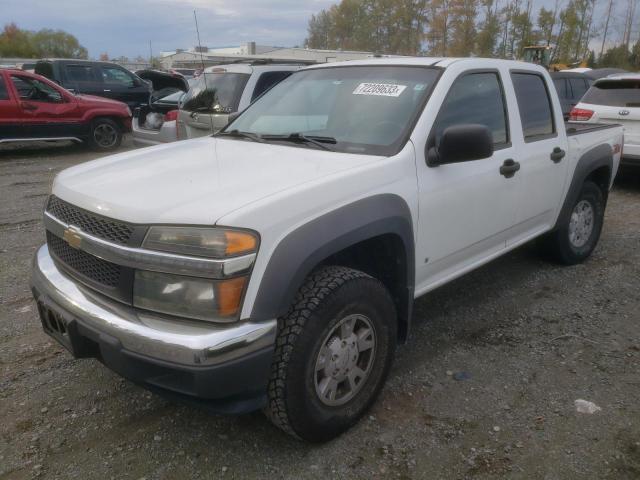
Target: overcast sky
x=125, y=27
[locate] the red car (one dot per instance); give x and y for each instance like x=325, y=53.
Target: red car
x=34, y=108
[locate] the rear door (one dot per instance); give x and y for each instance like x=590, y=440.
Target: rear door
x=82, y=78
x=542, y=151
x=46, y=111
x=11, y=121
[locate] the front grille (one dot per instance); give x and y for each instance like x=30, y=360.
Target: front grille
x=93, y=268
x=102, y=227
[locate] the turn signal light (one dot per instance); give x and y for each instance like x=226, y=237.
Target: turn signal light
x=580, y=115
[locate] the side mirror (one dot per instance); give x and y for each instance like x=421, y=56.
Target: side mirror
x=461, y=143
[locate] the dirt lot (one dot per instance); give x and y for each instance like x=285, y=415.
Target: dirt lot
x=484, y=389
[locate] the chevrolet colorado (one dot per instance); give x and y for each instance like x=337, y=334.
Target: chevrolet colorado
x=274, y=265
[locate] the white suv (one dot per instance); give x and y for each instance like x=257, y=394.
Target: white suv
x=615, y=99
x=225, y=89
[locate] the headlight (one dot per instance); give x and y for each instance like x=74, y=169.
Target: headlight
x=202, y=242
x=190, y=297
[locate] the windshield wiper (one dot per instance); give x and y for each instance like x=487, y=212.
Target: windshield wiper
x=316, y=140
x=238, y=134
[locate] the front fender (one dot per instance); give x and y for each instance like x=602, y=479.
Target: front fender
x=307, y=246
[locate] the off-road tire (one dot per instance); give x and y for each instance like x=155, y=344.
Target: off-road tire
x=109, y=125
x=329, y=294
x=558, y=244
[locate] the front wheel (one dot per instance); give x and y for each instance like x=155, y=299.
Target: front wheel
x=333, y=353
x=105, y=135
x=578, y=236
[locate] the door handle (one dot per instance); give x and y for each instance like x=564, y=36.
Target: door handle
x=107, y=90
x=509, y=168
x=557, y=154
x=29, y=106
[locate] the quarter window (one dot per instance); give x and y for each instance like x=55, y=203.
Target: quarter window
x=534, y=105
x=475, y=98
x=266, y=81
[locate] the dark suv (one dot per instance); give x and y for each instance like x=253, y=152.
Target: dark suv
x=104, y=79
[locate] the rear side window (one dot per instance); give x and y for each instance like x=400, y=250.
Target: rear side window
x=614, y=93
x=266, y=81
x=534, y=105
x=475, y=98
x=4, y=95
x=45, y=69
x=115, y=75
x=80, y=73
x=579, y=87
x=561, y=87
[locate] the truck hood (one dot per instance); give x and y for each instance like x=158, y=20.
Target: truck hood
x=195, y=181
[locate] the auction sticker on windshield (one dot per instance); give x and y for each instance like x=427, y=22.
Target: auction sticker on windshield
x=383, y=89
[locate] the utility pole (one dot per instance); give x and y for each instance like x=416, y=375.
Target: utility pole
x=150, y=55
x=606, y=28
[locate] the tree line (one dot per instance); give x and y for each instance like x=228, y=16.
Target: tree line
x=16, y=42
x=488, y=28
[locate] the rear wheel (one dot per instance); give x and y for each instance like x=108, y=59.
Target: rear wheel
x=105, y=135
x=576, y=239
x=333, y=353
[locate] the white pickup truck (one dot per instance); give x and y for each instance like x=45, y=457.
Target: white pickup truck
x=274, y=265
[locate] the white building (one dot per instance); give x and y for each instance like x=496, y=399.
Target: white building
x=196, y=57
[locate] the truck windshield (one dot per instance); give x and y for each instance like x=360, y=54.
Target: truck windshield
x=614, y=93
x=355, y=109
x=215, y=92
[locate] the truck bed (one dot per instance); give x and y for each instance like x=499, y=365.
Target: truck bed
x=578, y=128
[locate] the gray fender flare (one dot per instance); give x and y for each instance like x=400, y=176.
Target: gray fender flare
x=589, y=162
x=307, y=246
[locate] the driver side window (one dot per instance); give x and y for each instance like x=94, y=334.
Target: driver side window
x=34, y=90
x=475, y=98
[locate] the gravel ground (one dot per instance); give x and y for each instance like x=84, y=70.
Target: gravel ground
x=485, y=388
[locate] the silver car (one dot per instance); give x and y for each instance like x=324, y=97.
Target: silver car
x=158, y=123
x=224, y=89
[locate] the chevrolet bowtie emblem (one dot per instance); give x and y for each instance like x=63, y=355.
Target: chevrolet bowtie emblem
x=72, y=237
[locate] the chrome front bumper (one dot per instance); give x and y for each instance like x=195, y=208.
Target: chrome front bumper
x=156, y=337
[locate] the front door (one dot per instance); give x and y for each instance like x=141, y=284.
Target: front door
x=11, y=121
x=121, y=85
x=466, y=209
x=45, y=111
